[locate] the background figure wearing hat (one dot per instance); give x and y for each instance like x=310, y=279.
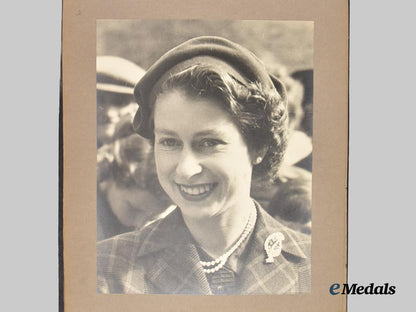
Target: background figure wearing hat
x=128, y=193
x=289, y=198
x=216, y=118
x=116, y=78
x=292, y=203
x=306, y=78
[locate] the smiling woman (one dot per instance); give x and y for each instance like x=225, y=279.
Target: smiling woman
x=217, y=119
x=207, y=169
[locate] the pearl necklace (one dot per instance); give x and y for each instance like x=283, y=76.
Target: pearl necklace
x=214, y=265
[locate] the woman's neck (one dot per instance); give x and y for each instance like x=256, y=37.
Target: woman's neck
x=217, y=234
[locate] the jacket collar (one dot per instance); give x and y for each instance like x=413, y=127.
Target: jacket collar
x=176, y=269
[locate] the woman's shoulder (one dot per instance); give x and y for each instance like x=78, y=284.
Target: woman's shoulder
x=134, y=253
x=116, y=259
x=138, y=242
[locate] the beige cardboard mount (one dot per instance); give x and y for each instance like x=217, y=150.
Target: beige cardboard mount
x=81, y=20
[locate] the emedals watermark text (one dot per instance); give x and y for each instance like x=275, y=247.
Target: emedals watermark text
x=355, y=289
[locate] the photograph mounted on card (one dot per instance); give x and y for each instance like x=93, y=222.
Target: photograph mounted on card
x=204, y=159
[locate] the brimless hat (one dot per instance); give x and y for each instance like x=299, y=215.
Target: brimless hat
x=231, y=57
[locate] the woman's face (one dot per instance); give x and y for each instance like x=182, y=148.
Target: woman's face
x=202, y=161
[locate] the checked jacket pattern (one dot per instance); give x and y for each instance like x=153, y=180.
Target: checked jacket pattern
x=162, y=259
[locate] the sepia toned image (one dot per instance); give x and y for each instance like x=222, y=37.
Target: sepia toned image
x=204, y=156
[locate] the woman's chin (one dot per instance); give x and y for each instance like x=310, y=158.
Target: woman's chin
x=198, y=213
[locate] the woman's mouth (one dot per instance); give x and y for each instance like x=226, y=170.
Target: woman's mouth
x=196, y=192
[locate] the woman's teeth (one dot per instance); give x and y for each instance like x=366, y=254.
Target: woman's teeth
x=197, y=189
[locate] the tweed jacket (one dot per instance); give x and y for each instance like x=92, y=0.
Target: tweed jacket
x=162, y=259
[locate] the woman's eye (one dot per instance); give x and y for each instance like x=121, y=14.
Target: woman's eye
x=169, y=143
x=208, y=143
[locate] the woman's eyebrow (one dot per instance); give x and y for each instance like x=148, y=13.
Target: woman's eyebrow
x=213, y=132
x=161, y=131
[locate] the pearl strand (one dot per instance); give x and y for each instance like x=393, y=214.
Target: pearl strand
x=221, y=260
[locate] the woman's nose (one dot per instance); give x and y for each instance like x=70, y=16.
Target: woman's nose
x=188, y=166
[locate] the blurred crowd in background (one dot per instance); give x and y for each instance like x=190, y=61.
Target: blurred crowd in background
x=128, y=192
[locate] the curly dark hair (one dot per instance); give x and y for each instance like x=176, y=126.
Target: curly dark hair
x=260, y=115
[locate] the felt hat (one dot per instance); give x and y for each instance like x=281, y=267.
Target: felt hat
x=236, y=60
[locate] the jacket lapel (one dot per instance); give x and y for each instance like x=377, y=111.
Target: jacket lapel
x=178, y=271
x=278, y=277
x=173, y=266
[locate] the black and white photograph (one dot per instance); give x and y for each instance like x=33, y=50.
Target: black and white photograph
x=204, y=156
